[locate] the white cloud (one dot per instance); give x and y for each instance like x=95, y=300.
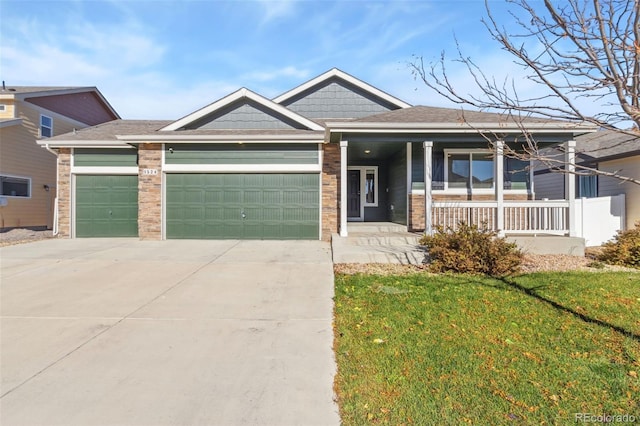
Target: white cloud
x=276, y=9
x=287, y=72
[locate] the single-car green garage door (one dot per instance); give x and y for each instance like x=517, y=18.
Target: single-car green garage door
x=243, y=206
x=106, y=206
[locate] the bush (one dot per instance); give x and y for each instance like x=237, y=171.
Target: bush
x=470, y=249
x=624, y=249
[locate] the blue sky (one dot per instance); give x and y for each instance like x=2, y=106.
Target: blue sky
x=164, y=59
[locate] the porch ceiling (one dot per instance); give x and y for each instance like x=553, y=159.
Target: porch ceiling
x=357, y=151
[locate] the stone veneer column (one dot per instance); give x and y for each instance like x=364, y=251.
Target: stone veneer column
x=63, y=192
x=150, y=191
x=330, y=190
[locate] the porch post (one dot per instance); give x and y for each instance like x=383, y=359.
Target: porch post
x=343, y=188
x=428, y=154
x=570, y=184
x=499, y=183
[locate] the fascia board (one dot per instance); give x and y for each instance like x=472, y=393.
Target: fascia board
x=81, y=144
x=10, y=122
x=222, y=138
x=25, y=95
x=235, y=96
x=336, y=127
x=334, y=72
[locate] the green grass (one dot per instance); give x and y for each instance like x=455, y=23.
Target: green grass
x=534, y=349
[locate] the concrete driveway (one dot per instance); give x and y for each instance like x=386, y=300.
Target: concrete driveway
x=128, y=332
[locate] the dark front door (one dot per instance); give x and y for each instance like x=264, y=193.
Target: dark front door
x=353, y=193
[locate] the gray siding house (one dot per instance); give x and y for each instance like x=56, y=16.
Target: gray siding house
x=305, y=165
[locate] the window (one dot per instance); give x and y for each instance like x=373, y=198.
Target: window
x=470, y=170
x=46, y=126
x=370, y=187
x=517, y=174
x=587, y=186
x=13, y=186
x=3, y=107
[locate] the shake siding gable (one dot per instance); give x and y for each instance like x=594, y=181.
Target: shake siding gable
x=337, y=99
x=249, y=115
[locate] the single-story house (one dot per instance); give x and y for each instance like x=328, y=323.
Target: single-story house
x=303, y=165
x=28, y=172
x=605, y=150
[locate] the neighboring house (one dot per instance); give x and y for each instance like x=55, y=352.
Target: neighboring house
x=604, y=150
x=301, y=166
x=27, y=170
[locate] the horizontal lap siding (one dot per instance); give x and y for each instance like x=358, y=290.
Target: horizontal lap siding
x=242, y=154
x=83, y=157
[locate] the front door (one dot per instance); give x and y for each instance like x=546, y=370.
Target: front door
x=353, y=194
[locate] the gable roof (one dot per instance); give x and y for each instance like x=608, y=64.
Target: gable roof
x=336, y=73
x=240, y=95
x=23, y=93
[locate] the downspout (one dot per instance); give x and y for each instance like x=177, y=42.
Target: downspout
x=55, y=200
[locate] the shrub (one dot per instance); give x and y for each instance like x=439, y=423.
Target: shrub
x=470, y=249
x=624, y=249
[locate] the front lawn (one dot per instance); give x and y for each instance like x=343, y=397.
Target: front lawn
x=538, y=348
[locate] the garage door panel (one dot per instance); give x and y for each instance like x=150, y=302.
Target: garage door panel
x=276, y=206
x=106, y=206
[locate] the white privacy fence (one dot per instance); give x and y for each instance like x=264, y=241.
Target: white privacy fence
x=598, y=219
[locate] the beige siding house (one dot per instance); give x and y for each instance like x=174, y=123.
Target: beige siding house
x=607, y=151
x=27, y=170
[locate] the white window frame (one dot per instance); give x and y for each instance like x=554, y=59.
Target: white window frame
x=3, y=107
x=29, y=189
x=466, y=190
x=42, y=126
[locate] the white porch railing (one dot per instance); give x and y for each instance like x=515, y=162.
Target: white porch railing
x=520, y=217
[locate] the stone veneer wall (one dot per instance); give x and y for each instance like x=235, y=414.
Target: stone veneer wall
x=330, y=190
x=416, y=205
x=64, y=192
x=150, y=192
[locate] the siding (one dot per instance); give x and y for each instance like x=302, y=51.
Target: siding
x=86, y=107
x=609, y=186
x=9, y=108
x=21, y=156
x=337, y=99
x=244, y=115
x=398, y=187
x=105, y=157
x=549, y=185
x=242, y=154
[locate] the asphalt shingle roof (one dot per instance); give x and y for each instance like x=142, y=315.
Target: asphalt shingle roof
x=426, y=114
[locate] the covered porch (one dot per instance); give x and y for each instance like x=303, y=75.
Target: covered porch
x=423, y=185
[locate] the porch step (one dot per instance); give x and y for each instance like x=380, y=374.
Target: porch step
x=383, y=239
x=377, y=243
x=375, y=227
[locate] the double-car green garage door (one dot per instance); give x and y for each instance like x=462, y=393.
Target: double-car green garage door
x=206, y=206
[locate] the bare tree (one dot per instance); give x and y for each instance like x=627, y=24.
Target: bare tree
x=575, y=50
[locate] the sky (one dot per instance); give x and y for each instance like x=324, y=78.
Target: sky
x=163, y=59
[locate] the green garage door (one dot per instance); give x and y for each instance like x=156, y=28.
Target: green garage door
x=243, y=206
x=106, y=206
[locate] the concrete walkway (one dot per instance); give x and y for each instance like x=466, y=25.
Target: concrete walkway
x=126, y=332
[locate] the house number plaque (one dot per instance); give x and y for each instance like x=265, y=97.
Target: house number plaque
x=150, y=172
